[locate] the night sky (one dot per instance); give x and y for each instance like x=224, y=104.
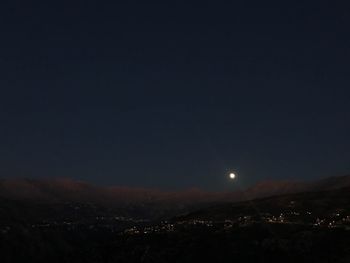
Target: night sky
x=173, y=94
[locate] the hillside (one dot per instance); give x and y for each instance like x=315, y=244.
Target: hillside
x=68, y=190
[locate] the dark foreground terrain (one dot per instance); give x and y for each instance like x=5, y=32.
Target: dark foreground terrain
x=253, y=243
x=296, y=227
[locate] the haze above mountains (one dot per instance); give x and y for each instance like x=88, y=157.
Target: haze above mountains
x=67, y=190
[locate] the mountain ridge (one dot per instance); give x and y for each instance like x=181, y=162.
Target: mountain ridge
x=66, y=189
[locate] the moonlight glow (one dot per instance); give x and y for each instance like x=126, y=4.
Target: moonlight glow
x=232, y=176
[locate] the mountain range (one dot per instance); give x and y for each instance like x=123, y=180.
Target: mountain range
x=67, y=190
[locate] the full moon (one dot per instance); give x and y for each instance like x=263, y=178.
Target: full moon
x=232, y=176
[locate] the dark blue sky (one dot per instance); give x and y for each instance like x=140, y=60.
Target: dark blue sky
x=174, y=95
